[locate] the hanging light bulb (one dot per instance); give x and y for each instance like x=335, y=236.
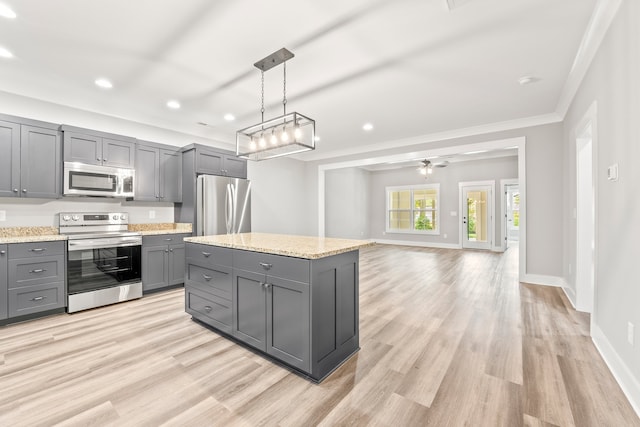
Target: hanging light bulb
x=297, y=133
x=423, y=171
x=262, y=141
x=285, y=135
x=274, y=138
x=429, y=169
x=252, y=145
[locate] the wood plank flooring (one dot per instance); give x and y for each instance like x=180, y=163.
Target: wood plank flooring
x=448, y=338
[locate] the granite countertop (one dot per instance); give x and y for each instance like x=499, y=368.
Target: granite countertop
x=280, y=244
x=29, y=234
x=161, y=228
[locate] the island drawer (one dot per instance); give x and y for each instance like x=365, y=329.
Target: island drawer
x=34, y=299
x=35, y=271
x=34, y=249
x=209, y=309
x=285, y=267
x=214, y=279
x=210, y=254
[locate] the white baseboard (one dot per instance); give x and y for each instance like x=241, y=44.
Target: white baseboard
x=570, y=293
x=497, y=249
x=418, y=244
x=540, y=279
x=628, y=383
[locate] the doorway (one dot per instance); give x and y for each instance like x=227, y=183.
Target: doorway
x=510, y=212
x=585, y=220
x=476, y=213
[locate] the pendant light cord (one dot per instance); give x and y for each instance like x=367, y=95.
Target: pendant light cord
x=284, y=88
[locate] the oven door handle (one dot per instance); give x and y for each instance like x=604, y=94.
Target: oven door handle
x=81, y=246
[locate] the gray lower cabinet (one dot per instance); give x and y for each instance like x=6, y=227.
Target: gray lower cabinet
x=3, y=282
x=163, y=259
x=158, y=174
x=35, y=277
x=30, y=165
x=299, y=311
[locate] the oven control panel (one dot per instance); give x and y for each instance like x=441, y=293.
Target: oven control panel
x=94, y=218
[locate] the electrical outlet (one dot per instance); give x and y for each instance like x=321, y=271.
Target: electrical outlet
x=152, y=214
x=3, y=215
x=444, y=235
x=630, y=332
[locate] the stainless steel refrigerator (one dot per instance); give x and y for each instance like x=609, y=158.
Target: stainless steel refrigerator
x=223, y=205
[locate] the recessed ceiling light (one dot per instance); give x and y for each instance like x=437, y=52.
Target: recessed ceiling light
x=525, y=80
x=229, y=117
x=104, y=83
x=4, y=53
x=173, y=104
x=367, y=126
x=6, y=12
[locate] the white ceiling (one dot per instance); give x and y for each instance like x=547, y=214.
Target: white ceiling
x=410, y=67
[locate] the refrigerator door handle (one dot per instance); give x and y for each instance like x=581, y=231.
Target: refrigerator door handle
x=228, y=212
x=234, y=208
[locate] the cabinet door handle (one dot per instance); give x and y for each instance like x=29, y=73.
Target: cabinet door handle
x=40, y=298
x=37, y=249
x=98, y=158
x=105, y=159
x=39, y=270
x=207, y=308
x=24, y=190
x=170, y=250
x=3, y=252
x=166, y=250
x=206, y=254
x=267, y=286
x=205, y=277
x=15, y=190
x=266, y=265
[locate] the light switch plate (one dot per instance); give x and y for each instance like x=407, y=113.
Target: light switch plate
x=152, y=214
x=612, y=172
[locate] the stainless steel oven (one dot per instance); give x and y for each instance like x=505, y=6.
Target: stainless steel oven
x=103, y=264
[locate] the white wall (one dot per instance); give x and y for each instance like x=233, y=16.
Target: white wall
x=612, y=82
x=347, y=213
x=42, y=212
x=279, y=197
x=448, y=178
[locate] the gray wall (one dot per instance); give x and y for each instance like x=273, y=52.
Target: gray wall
x=347, y=207
x=612, y=81
x=279, y=197
x=448, y=178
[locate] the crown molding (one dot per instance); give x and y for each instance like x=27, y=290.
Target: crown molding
x=601, y=19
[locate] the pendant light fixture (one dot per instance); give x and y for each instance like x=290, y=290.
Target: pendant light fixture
x=287, y=134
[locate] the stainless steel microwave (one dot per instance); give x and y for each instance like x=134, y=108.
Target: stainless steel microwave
x=93, y=180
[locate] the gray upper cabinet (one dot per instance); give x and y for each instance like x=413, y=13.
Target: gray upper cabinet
x=3, y=282
x=98, y=148
x=218, y=162
x=30, y=165
x=158, y=174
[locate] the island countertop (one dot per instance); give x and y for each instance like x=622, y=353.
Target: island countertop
x=307, y=247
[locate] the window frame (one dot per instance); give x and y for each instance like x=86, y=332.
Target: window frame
x=412, y=210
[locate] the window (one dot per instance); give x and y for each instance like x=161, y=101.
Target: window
x=413, y=209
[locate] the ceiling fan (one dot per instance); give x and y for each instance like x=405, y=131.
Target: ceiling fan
x=426, y=167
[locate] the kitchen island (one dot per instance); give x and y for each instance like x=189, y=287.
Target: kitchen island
x=292, y=298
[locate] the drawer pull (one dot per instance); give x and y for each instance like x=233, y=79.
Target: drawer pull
x=168, y=240
x=266, y=265
x=39, y=270
x=206, y=254
x=40, y=298
x=207, y=308
x=37, y=249
x=205, y=277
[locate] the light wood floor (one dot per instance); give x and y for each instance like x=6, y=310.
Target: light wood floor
x=448, y=338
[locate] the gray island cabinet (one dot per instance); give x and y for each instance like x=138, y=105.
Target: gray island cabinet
x=293, y=298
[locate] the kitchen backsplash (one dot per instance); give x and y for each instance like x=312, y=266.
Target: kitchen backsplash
x=42, y=212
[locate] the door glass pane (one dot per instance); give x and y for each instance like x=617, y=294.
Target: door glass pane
x=400, y=220
x=477, y=216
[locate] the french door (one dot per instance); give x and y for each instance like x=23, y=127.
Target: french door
x=476, y=215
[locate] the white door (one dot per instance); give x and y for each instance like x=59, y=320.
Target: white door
x=476, y=216
x=513, y=213
x=585, y=223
